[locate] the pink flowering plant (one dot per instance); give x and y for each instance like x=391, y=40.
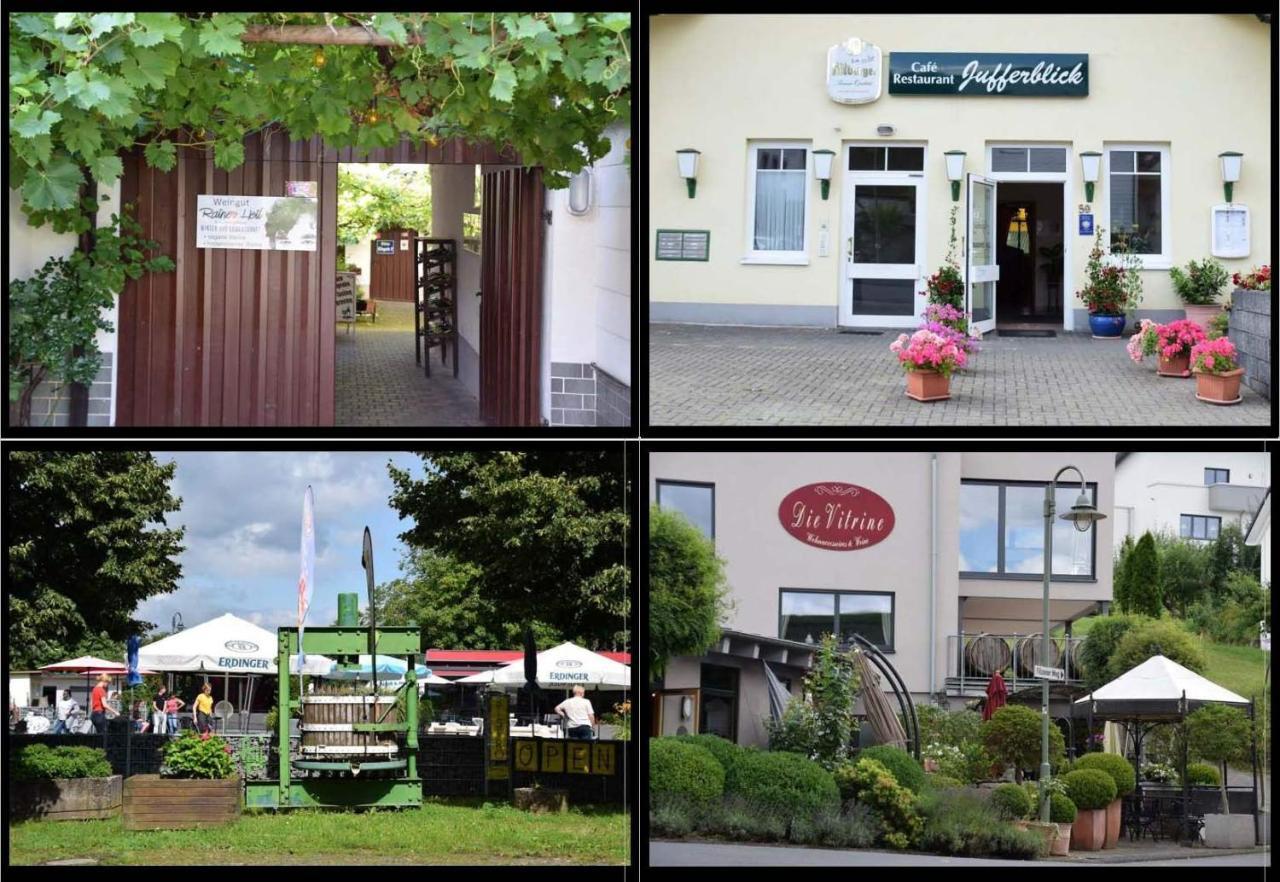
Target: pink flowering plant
x=1216, y=356
x=1178, y=338
x=1143, y=343
x=948, y=322
x=928, y=351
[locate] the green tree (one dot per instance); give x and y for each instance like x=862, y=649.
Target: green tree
x=1142, y=578
x=382, y=198
x=687, y=589
x=87, y=542
x=543, y=533
x=1100, y=646
x=1184, y=573
x=1219, y=733
x=1229, y=554
x=1167, y=637
x=1120, y=574
x=1013, y=735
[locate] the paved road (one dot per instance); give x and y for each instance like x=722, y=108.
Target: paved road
x=738, y=376
x=702, y=854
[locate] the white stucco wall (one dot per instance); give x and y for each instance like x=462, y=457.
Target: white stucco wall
x=1154, y=488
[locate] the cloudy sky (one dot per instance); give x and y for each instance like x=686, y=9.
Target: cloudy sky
x=243, y=516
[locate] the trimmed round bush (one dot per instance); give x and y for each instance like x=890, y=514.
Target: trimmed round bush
x=725, y=751
x=683, y=771
x=902, y=765
x=1203, y=774
x=1114, y=765
x=784, y=781
x=1061, y=809
x=1010, y=802
x=1090, y=788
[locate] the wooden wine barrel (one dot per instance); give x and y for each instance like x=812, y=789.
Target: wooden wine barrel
x=1072, y=657
x=986, y=654
x=327, y=720
x=1027, y=654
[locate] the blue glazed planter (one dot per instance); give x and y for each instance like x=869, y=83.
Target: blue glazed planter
x=1106, y=325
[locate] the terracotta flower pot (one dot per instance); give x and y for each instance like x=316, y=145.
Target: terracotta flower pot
x=1219, y=388
x=1062, y=842
x=1201, y=314
x=1178, y=366
x=1113, y=824
x=1048, y=832
x=1089, y=831
x=928, y=386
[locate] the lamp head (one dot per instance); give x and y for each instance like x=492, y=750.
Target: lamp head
x=1083, y=514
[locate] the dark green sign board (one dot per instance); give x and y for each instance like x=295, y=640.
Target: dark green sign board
x=988, y=73
x=684, y=245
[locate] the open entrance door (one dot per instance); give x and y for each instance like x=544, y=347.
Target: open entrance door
x=981, y=269
x=511, y=305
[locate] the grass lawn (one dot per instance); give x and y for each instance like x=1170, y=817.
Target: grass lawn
x=454, y=831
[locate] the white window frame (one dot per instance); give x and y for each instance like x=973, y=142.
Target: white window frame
x=1163, y=260
x=1068, y=209
x=785, y=258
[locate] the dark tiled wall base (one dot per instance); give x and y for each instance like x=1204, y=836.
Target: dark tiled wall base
x=51, y=404
x=613, y=401
x=573, y=394
x=1250, y=329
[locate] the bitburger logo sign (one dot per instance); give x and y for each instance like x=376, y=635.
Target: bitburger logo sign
x=853, y=72
x=836, y=516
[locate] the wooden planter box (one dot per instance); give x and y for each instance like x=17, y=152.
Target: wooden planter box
x=66, y=799
x=152, y=802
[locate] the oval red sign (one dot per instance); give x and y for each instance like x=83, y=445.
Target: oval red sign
x=836, y=516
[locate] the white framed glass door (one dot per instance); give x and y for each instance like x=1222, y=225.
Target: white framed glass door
x=981, y=270
x=884, y=226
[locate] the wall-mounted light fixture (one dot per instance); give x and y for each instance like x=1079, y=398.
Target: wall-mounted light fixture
x=1089, y=161
x=687, y=159
x=1230, y=170
x=822, y=169
x=686, y=708
x=580, y=193
x=955, y=171
x=884, y=129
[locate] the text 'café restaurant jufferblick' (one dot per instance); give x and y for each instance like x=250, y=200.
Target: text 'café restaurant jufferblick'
x=805, y=167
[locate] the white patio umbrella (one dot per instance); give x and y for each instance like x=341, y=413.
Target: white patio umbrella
x=561, y=667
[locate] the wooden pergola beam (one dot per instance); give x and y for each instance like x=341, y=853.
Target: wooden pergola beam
x=320, y=35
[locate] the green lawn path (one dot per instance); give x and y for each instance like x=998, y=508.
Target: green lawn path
x=441, y=832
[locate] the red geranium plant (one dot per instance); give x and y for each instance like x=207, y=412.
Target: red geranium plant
x=1258, y=280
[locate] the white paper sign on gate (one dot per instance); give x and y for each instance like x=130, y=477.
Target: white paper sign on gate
x=261, y=223
x=345, y=289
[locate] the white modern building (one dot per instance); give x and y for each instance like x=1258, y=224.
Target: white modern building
x=1260, y=534
x=1191, y=495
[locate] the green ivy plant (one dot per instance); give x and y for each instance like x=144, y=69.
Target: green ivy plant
x=59, y=311
x=85, y=86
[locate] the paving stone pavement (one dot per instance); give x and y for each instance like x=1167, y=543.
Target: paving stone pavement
x=379, y=384
x=737, y=376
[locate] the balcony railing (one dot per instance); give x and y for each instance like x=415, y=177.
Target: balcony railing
x=973, y=658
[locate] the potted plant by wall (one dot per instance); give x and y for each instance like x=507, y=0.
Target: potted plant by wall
x=1092, y=791
x=197, y=786
x=1173, y=344
x=929, y=360
x=1199, y=287
x=1112, y=290
x=62, y=784
x=1125, y=779
x=1062, y=811
x=1217, y=372
x=1220, y=733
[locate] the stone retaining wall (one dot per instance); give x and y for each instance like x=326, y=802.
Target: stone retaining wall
x=1250, y=329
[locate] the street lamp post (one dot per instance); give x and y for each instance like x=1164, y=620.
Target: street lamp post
x=1083, y=514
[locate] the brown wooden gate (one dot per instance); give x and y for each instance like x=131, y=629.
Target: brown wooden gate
x=511, y=301
x=392, y=276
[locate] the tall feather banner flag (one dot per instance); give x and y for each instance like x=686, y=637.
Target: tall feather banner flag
x=306, y=577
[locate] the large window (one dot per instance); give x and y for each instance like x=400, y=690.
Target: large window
x=1199, y=527
x=719, y=706
x=779, y=185
x=697, y=502
x=1002, y=532
x=805, y=615
x=1138, y=201
x=1217, y=476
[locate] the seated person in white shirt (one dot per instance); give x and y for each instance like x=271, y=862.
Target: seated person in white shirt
x=579, y=714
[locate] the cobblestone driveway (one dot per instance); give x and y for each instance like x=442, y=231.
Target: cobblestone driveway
x=736, y=376
x=379, y=384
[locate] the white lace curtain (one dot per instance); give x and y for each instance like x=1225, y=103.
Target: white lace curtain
x=779, y=210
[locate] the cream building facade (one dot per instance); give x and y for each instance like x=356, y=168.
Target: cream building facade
x=1166, y=94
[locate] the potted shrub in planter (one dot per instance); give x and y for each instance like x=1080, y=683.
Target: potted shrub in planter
x=1125, y=779
x=1113, y=289
x=1062, y=811
x=197, y=786
x=929, y=360
x=1173, y=345
x=1092, y=791
x=62, y=784
x=1199, y=287
x=1012, y=736
x=1220, y=733
x=1217, y=372
x=1011, y=803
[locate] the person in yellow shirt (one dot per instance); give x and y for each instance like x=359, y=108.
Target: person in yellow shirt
x=204, y=710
